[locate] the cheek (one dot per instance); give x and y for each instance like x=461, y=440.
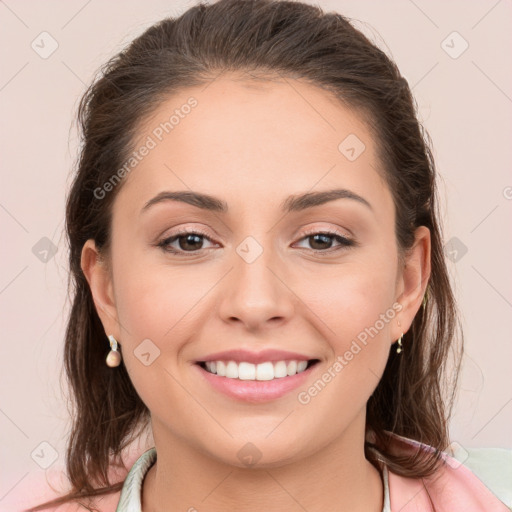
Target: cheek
x=354, y=314
x=153, y=299
x=350, y=298
x=353, y=310
x=158, y=318
x=161, y=310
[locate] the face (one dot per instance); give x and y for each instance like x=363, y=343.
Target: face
x=314, y=281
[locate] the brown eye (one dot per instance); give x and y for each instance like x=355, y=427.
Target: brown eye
x=319, y=242
x=323, y=241
x=187, y=242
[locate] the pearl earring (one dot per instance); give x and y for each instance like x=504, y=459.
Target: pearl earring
x=114, y=357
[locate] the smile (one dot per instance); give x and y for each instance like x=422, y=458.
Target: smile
x=255, y=383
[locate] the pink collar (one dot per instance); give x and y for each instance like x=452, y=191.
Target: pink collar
x=453, y=487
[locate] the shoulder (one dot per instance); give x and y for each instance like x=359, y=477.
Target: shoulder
x=38, y=487
x=492, y=466
x=476, y=479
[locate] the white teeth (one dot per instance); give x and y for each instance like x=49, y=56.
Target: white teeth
x=246, y=371
x=232, y=370
x=280, y=369
x=264, y=371
x=292, y=368
x=250, y=371
x=301, y=366
x=221, y=368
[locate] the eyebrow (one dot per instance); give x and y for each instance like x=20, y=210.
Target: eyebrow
x=293, y=203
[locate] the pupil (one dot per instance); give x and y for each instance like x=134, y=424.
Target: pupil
x=190, y=240
x=323, y=239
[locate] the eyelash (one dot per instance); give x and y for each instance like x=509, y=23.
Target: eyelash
x=343, y=240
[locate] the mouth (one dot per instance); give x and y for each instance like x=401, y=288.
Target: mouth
x=255, y=383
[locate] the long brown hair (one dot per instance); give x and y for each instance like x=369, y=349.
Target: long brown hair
x=271, y=37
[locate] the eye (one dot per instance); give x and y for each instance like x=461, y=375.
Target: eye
x=187, y=242
x=319, y=241
x=192, y=242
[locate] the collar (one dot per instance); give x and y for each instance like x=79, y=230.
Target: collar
x=452, y=488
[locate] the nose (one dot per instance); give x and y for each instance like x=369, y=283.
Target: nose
x=255, y=293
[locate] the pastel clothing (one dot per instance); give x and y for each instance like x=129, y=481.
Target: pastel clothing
x=470, y=480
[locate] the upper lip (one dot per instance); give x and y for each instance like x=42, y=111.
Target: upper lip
x=262, y=356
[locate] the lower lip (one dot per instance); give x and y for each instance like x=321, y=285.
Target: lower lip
x=256, y=391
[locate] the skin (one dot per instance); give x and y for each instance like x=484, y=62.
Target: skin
x=252, y=144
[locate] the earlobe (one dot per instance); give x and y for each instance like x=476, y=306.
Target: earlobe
x=100, y=283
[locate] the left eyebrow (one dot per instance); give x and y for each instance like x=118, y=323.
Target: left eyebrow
x=293, y=203
x=310, y=199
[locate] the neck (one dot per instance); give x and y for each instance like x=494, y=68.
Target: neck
x=338, y=477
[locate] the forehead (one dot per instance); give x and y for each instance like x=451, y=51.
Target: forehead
x=256, y=137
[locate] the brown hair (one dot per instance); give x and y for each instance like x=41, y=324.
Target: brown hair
x=271, y=37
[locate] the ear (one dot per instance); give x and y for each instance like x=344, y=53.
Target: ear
x=98, y=276
x=413, y=280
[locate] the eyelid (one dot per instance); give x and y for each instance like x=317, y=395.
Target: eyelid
x=327, y=231
x=320, y=226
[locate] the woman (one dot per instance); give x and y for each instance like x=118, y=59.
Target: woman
x=259, y=279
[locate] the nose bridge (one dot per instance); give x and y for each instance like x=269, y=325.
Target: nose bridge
x=254, y=292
